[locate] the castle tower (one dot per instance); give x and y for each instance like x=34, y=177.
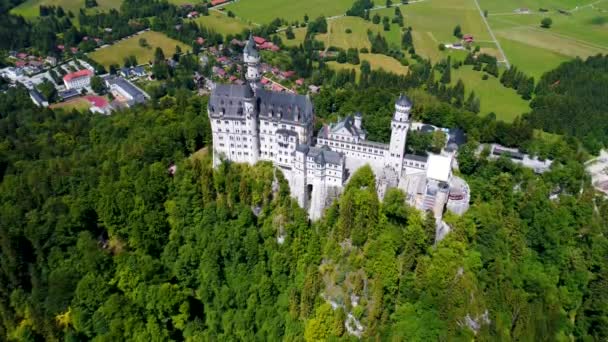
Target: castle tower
x=251, y=121
x=400, y=125
x=251, y=57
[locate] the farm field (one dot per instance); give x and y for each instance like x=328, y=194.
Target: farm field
x=221, y=23
x=376, y=61
x=337, y=36
x=535, y=50
x=433, y=23
x=30, y=8
x=263, y=12
x=493, y=96
x=534, y=61
x=116, y=53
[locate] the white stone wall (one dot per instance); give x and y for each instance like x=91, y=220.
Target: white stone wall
x=268, y=137
x=233, y=140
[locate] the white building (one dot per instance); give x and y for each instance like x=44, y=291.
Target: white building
x=250, y=124
x=78, y=79
x=125, y=91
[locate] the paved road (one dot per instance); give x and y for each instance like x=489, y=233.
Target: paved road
x=504, y=56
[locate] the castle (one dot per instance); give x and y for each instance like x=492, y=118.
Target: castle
x=251, y=124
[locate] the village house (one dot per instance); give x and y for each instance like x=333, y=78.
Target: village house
x=78, y=79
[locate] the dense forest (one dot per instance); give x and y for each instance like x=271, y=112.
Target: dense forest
x=573, y=99
x=100, y=241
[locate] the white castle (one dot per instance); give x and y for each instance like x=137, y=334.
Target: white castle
x=251, y=124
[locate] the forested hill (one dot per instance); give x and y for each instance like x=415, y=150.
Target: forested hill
x=573, y=99
x=99, y=242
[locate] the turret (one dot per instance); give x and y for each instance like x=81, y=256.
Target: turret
x=358, y=120
x=251, y=57
x=399, y=128
x=403, y=106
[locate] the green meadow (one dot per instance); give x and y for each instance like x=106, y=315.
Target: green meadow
x=115, y=54
x=262, y=12
x=30, y=8
x=223, y=24
x=493, y=96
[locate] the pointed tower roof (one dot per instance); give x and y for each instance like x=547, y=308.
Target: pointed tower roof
x=403, y=101
x=250, y=48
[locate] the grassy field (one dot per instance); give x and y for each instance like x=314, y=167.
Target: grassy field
x=221, y=23
x=433, y=23
x=80, y=104
x=494, y=97
x=337, y=36
x=376, y=61
x=30, y=8
x=300, y=34
x=264, y=11
x=130, y=46
x=536, y=50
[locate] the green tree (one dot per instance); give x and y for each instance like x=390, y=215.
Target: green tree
x=546, y=22
x=97, y=85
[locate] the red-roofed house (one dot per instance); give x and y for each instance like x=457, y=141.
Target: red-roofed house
x=20, y=64
x=300, y=81
x=78, y=79
x=74, y=49
x=60, y=47
x=288, y=74
x=232, y=79
x=223, y=60
x=98, y=104
x=218, y=2
x=467, y=38
x=259, y=40
x=200, y=40
x=22, y=55
x=265, y=81
x=276, y=87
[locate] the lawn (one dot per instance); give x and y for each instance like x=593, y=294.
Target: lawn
x=494, y=97
x=30, y=8
x=264, y=11
x=223, y=24
x=116, y=53
x=337, y=36
x=376, y=61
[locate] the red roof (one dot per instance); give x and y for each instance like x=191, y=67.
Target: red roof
x=276, y=87
x=265, y=80
x=300, y=81
x=288, y=74
x=74, y=49
x=22, y=55
x=77, y=74
x=20, y=64
x=60, y=47
x=259, y=40
x=200, y=40
x=467, y=36
x=217, y=2
x=97, y=101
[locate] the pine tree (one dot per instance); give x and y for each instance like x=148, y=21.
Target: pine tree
x=446, y=77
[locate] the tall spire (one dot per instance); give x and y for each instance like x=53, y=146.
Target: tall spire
x=250, y=48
